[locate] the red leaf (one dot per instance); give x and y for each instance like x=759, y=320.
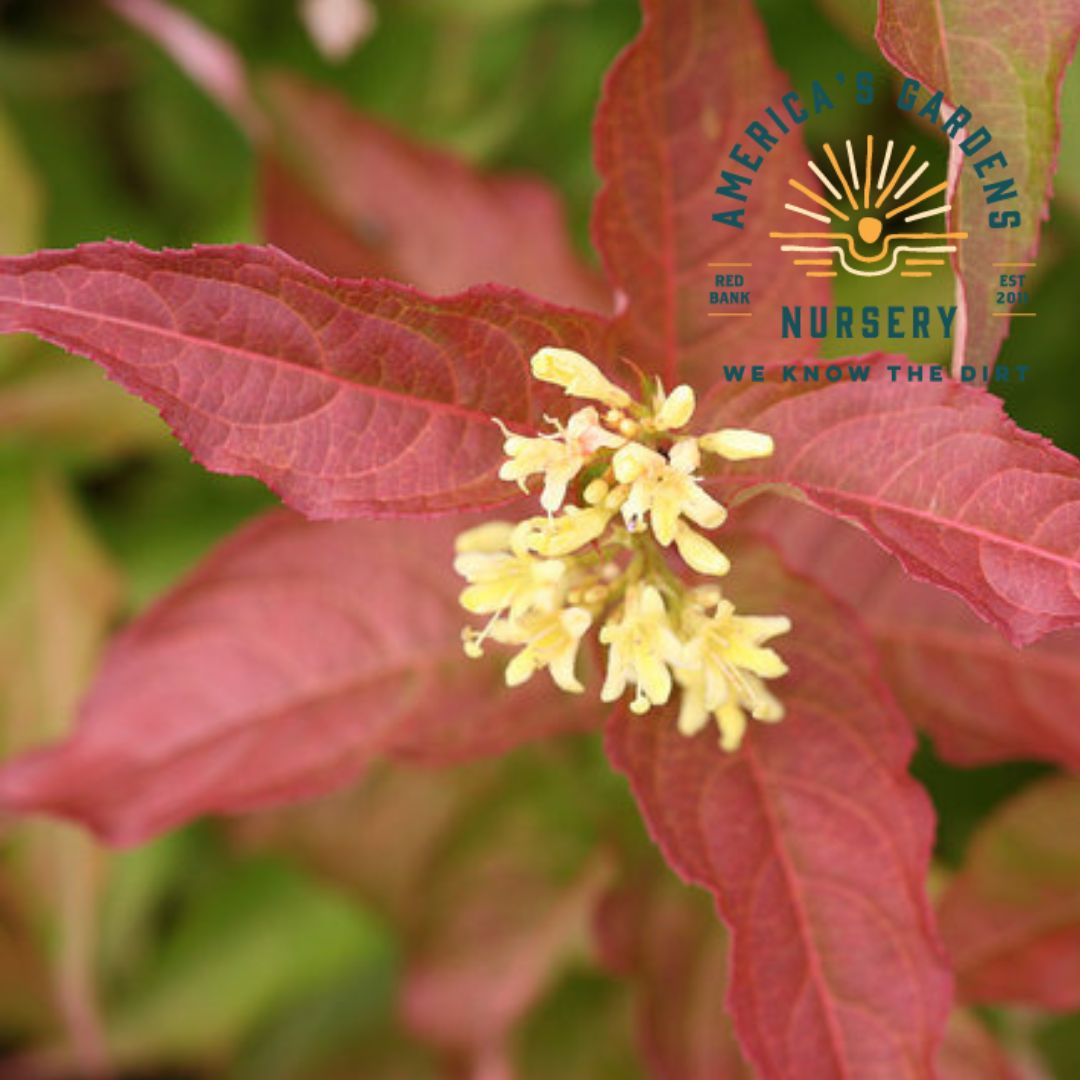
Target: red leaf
x=347, y=398
x=277, y=671
x=816, y=844
x=940, y=477
x=293, y=219
x=1011, y=918
x=385, y=205
x=981, y=699
x=666, y=938
x=675, y=103
x=1006, y=63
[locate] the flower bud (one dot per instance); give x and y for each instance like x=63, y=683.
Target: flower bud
x=700, y=554
x=596, y=492
x=676, y=410
x=737, y=444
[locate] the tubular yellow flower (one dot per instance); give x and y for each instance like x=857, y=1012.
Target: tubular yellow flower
x=569, y=532
x=558, y=457
x=722, y=672
x=501, y=580
x=641, y=644
x=549, y=639
x=508, y=581
x=664, y=488
x=737, y=444
x=526, y=456
x=578, y=376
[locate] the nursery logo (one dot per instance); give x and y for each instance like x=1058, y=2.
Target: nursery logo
x=867, y=210
x=873, y=217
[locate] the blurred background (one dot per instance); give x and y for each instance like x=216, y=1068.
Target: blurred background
x=277, y=947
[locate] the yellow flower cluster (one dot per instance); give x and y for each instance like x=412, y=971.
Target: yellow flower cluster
x=546, y=581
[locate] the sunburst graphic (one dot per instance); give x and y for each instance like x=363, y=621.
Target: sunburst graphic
x=872, y=208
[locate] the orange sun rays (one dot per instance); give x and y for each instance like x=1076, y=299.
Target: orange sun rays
x=851, y=182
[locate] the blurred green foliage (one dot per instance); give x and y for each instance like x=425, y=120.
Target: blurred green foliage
x=212, y=960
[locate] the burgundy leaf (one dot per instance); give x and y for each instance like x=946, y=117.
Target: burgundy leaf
x=816, y=844
x=981, y=699
x=277, y=671
x=939, y=476
x=351, y=196
x=1011, y=918
x=347, y=398
x=666, y=939
x=675, y=103
x=1006, y=63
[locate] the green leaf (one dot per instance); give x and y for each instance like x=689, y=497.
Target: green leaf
x=256, y=941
